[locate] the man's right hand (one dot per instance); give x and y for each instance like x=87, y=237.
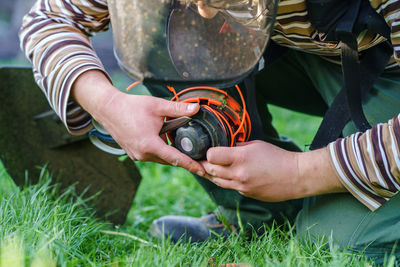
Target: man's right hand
x=134, y=121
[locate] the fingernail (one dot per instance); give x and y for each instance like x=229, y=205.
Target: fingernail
x=200, y=173
x=191, y=107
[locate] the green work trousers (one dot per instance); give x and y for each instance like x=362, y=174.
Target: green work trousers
x=307, y=83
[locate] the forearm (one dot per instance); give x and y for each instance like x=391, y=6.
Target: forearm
x=56, y=42
x=92, y=90
x=316, y=175
x=365, y=164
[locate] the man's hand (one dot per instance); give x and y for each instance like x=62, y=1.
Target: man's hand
x=134, y=121
x=265, y=172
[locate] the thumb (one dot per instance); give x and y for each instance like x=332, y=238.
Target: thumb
x=176, y=109
x=248, y=143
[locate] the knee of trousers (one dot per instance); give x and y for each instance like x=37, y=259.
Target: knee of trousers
x=346, y=222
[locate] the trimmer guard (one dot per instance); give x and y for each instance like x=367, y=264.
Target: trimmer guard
x=166, y=41
x=32, y=136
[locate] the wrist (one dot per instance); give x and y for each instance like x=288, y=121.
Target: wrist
x=92, y=89
x=316, y=176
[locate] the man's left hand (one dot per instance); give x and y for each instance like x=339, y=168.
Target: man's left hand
x=268, y=173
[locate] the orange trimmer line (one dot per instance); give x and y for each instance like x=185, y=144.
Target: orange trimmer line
x=221, y=91
x=200, y=87
x=172, y=89
x=132, y=85
x=244, y=112
x=221, y=118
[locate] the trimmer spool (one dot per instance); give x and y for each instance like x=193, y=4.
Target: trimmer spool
x=221, y=121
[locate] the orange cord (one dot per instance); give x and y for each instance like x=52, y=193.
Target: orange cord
x=219, y=117
x=172, y=89
x=132, y=85
x=200, y=87
x=244, y=112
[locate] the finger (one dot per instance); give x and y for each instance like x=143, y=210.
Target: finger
x=206, y=175
x=247, y=143
x=221, y=155
x=176, y=158
x=241, y=144
x=151, y=158
x=227, y=184
x=132, y=157
x=175, y=109
x=158, y=160
x=222, y=172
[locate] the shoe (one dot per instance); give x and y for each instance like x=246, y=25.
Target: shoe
x=189, y=229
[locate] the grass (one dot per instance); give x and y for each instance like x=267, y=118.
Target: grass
x=42, y=227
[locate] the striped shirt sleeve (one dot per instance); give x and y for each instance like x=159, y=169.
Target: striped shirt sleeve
x=368, y=164
x=55, y=38
x=391, y=12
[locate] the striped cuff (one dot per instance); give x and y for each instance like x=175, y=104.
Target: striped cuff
x=60, y=82
x=350, y=180
x=368, y=163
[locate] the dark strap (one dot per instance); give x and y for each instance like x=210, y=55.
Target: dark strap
x=348, y=103
x=352, y=83
x=351, y=65
x=338, y=115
